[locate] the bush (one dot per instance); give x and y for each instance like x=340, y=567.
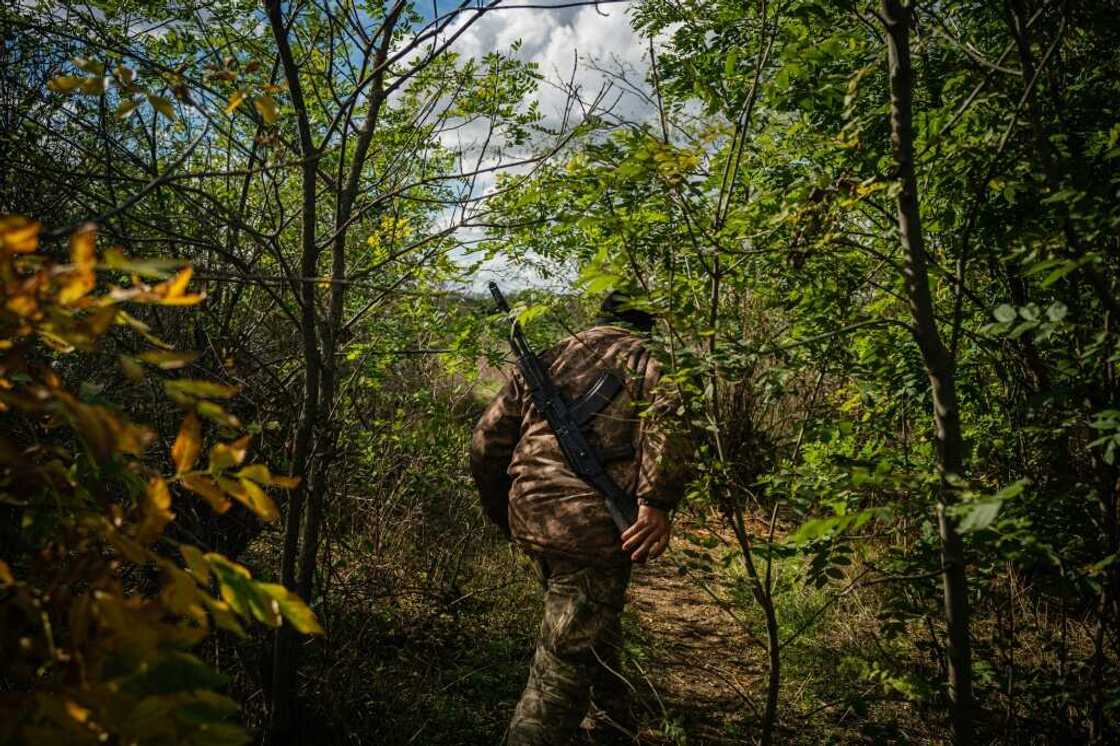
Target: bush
x=99, y=607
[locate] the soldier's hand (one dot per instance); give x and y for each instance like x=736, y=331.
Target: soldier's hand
x=649, y=536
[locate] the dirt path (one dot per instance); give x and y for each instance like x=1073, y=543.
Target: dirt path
x=701, y=679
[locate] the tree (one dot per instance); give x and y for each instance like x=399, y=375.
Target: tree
x=938, y=362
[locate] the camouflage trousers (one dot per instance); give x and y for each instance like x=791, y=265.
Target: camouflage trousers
x=577, y=656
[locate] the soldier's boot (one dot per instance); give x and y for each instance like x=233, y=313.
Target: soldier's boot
x=614, y=727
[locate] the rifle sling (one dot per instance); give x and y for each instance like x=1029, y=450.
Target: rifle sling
x=586, y=461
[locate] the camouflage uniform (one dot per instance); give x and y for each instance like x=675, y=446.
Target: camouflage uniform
x=578, y=653
x=528, y=489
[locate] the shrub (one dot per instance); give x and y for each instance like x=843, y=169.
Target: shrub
x=99, y=607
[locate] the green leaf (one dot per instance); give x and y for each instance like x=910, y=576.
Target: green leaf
x=200, y=388
x=1006, y=313
x=980, y=515
x=529, y=313
x=293, y=608
x=208, y=707
x=174, y=672
x=1057, y=274
x=195, y=563
x=239, y=591
x=114, y=258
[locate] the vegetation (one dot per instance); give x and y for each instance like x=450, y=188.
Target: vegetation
x=880, y=240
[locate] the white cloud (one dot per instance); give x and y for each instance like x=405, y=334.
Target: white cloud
x=587, y=36
x=593, y=40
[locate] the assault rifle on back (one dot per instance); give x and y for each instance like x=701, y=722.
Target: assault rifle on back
x=568, y=418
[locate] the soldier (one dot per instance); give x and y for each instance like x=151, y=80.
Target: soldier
x=563, y=523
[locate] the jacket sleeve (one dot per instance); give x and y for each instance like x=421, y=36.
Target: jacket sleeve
x=663, y=447
x=492, y=444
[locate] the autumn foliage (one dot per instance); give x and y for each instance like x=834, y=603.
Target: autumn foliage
x=99, y=607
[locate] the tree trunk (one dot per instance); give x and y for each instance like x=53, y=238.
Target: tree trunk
x=284, y=653
x=328, y=436
x=763, y=594
x=939, y=366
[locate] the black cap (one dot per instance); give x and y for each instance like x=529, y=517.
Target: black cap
x=616, y=309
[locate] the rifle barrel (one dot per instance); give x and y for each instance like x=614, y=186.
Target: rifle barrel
x=500, y=299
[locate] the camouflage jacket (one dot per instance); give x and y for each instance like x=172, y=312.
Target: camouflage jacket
x=527, y=487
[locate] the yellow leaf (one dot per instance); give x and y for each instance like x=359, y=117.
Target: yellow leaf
x=132, y=369
x=174, y=287
x=190, y=299
x=293, y=608
x=64, y=83
x=216, y=413
x=77, y=712
x=223, y=615
x=200, y=388
x=80, y=280
x=162, y=105
x=267, y=108
x=95, y=84
x=82, y=244
x=6, y=577
x=168, y=359
x=257, y=472
x=126, y=107
x=125, y=76
x=260, y=502
x=284, y=482
x=196, y=563
x=157, y=511
x=181, y=595
x=158, y=493
x=235, y=100
x=18, y=234
x=93, y=67
x=187, y=446
x=252, y=496
x=22, y=305
x=225, y=455
x=209, y=490
x=75, y=286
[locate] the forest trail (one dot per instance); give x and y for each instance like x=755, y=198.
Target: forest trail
x=698, y=672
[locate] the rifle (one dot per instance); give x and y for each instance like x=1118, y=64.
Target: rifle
x=567, y=418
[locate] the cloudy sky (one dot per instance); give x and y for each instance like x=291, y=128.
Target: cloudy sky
x=555, y=38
